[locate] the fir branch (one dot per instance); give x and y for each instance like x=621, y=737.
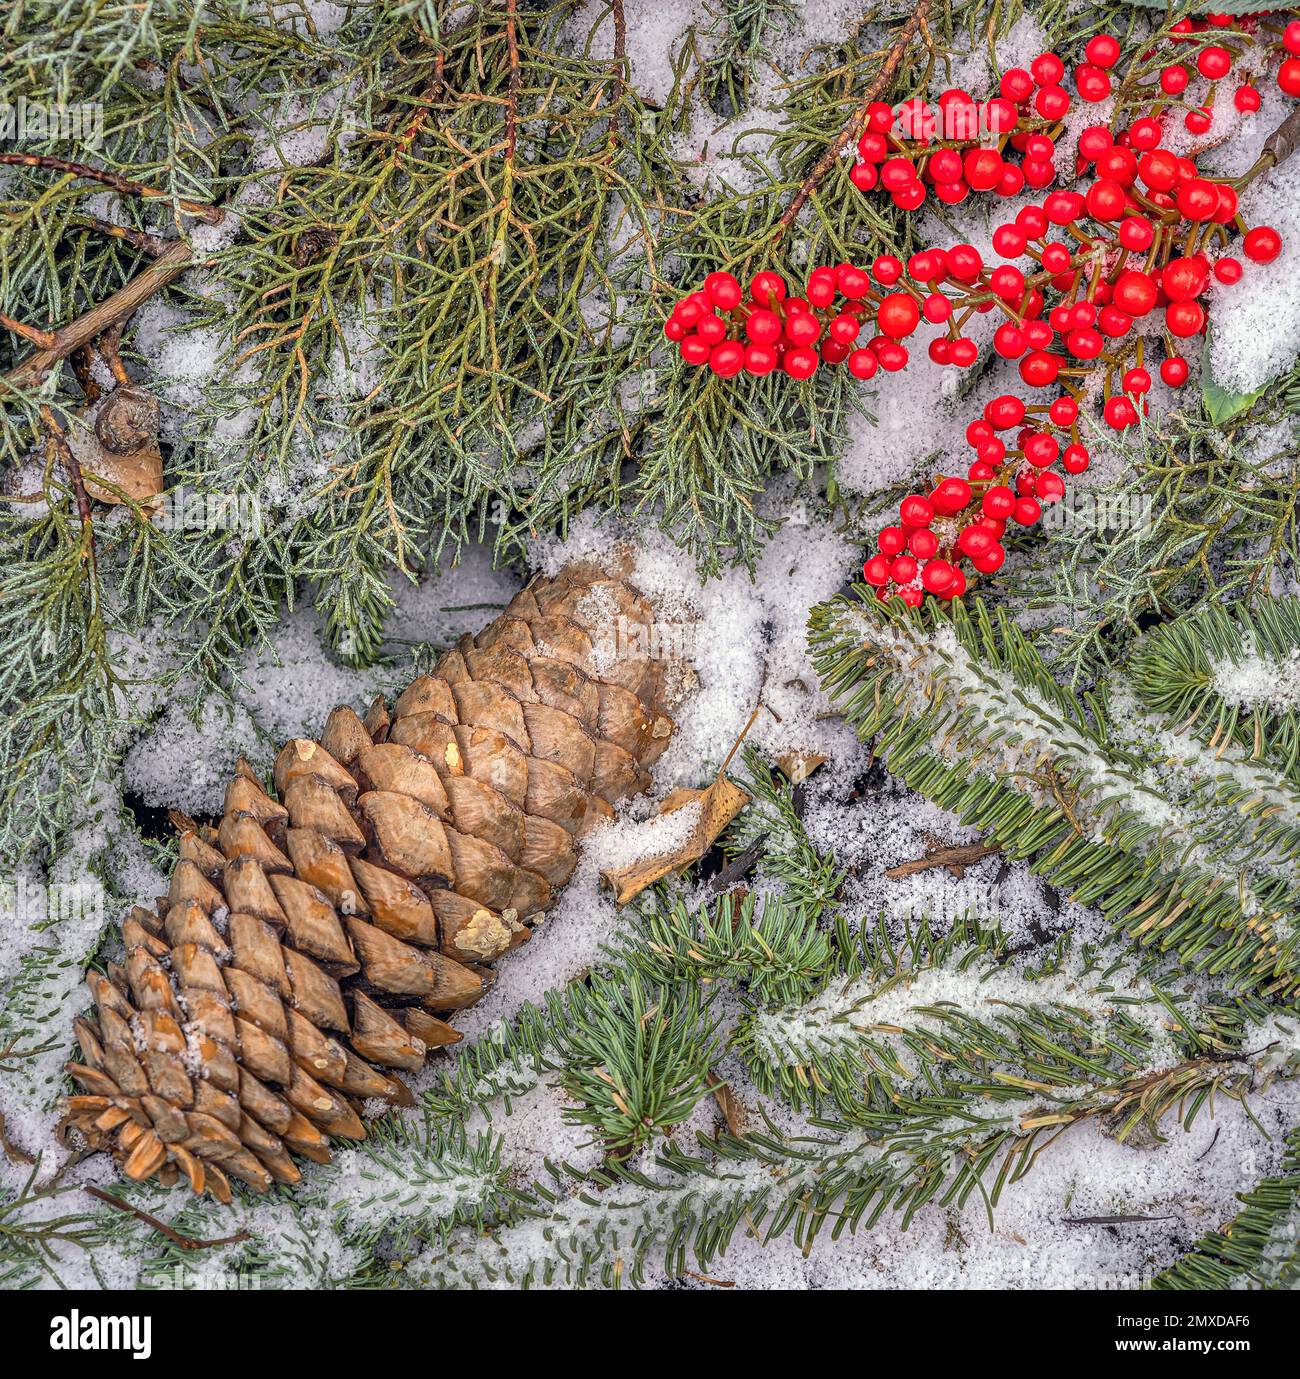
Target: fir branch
x=965, y=710
x=1258, y=1248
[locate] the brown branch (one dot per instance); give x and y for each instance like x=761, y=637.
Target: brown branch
x=42, y=339
x=58, y=439
x=857, y=122
x=203, y=209
x=166, y=267
x=620, y=68
x=512, y=97
x=956, y=858
x=185, y=1242
x=137, y=239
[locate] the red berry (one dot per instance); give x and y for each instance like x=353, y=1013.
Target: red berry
x=727, y=359
x=1199, y=121
x=1226, y=211
x=1091, y=83
x=800, y=363
x=1262, y=244
x=1064, y=411
x=1009, y=241
x=1184, y=278
x=1288, y=76
x=964, y=353
x=763, y=327
x=1173, y=80
x=976, y=541
x=863, y=364
x=1052, y=102
x=1144, y=134
x=873, y=147
x=1137, y=381
x=939, y=350
x=802, y=328
x=903, y=570
x=1198, y=199
x=937, y=576
x=982, y=168
x=880, y=117
x=1291, y=37
x=712, y=329
x=1000, y=116
x=1075, y=459
x=951, y=495
x=991, y=561
x=998, y=502
x=766, y=286
x=1009, y=340
x=1007, y=282
x=760, y=359
x=1119, y=412
x=724, y=291
x=1214, y=62
x=1102, y=50
x=1085, y=344
x=1135, y=293
x=898, y=315
x=1094, y=142
x=1041, y=449
x=852, y=282
x=1016, y=85
x=674, y=329
x=863, y=176
x=1027, y=511
x=844, y=328
x=891, y=355
x=916, y=511
x=1039, y=369
x=891, y=540
x=1173, y=371
x=1119, y=165
x=876, y=570
x=923, y=543
x=1247, y=99
x=897, y=173
x=1228, y=270
x=1136, y=233
x=1050, y=487
x=1004, y=412
x=1185, y=318
x=1047, y=69
x=694, y=350
x=1032, y=221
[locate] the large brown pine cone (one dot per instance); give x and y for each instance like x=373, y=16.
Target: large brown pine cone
x=311, y=945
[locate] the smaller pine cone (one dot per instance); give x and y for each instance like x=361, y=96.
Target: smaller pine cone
x=312, y=945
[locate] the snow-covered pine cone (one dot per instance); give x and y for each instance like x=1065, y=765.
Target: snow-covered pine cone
x=310, y=946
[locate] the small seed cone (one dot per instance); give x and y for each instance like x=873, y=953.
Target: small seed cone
x=312, y=945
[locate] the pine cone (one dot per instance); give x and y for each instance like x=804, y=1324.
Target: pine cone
x=310, y=946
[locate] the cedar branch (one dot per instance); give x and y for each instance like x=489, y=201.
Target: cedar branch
x=512, y=98
x=857, y=122
x=203, y=209
x=620, y=68
x=173, y=260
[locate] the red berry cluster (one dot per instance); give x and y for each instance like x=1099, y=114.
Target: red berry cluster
x=1145, y=236
x=769, y=329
